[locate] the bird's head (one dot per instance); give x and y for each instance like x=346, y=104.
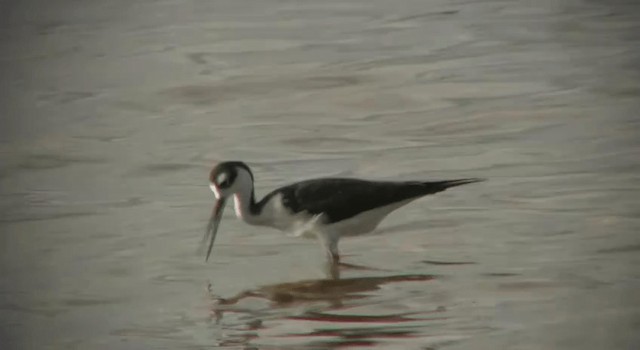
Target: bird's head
x=229, y=178
x=225, y=180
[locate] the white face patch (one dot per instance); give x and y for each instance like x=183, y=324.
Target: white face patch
x=215, y=190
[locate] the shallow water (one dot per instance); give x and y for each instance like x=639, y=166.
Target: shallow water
x=113, y=112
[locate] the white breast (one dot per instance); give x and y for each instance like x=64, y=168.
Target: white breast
x=275, y=214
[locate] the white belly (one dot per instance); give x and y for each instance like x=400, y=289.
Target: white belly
x=360, y=224
x=364, y=222
x=308, y=225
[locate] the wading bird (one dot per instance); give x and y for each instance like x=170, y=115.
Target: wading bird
x=325, y=208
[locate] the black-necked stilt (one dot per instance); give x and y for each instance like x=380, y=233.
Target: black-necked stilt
x=326, y=208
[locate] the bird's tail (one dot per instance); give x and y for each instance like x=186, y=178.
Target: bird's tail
x=439, y=186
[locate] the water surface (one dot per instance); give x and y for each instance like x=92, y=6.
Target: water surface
x=113, y=112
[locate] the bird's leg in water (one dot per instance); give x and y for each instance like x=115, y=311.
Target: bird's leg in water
x=329, y=243
x=332, y=270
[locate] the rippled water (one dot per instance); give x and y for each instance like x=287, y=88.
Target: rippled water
x=113, y=112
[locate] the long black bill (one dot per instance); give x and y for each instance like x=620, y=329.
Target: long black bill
x=214, y=223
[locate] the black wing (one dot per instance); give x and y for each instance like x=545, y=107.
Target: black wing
x=340, y=198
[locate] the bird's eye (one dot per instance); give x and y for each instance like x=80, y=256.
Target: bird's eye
x=223, y=180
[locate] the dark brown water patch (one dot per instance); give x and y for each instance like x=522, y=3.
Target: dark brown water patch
x=241, y=341
x=356, y=337
x=199, y=57
x=334, y=291
x=32, y=308
x=341, y=344
x=436, y=262
x=365, y=332
x=65, y=97
x=620, y=249
x=330, y=288
x=427, y=15
x=500, y=274
x=341, y=318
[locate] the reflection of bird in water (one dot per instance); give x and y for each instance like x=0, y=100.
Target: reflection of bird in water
x=326, y=208
x=327, y=329
x=334, y=291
